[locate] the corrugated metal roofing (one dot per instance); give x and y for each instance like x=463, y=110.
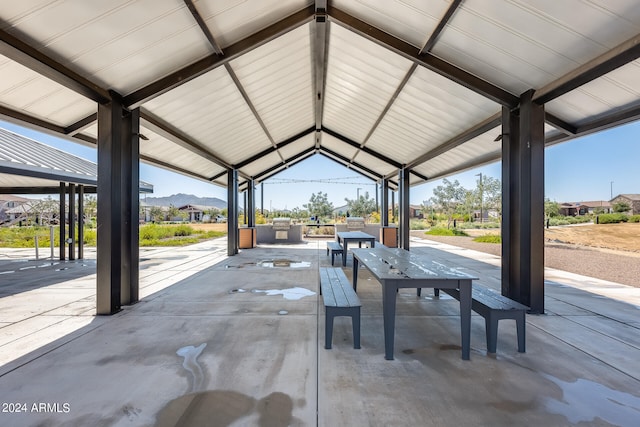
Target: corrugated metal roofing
x=377, y=85
x=28, y=163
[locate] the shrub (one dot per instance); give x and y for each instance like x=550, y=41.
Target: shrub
x=634, y=218
x=488, y=238
x=443, y=231
x=613, y=218
x=182, y=230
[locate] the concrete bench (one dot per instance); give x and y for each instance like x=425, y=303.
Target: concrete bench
x=334, y=248
x=339, y=300
x=494, y=307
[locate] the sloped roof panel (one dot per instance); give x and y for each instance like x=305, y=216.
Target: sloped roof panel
x=410, y=20
x=233, y=20
x=334, y=144
x=27, y=91
x=121, y=44
x=214, y=113
x=361, y=79
x=302, y=144
x=277, y=78
x=430, y=111
x=526, y=44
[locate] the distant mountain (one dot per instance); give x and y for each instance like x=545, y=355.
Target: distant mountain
x=182, y=199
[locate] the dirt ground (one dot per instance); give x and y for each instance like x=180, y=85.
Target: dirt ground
x=209, y=227
x=622, y=237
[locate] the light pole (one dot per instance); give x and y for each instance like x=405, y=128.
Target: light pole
x=358, y=192
x=611, y=197
x=480, y=186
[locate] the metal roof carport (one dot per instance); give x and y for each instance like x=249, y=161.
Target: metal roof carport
x=402, y=92
x=30, y=167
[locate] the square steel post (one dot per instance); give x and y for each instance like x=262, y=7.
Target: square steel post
x=118, y=187
x=523, y=204
x=62, y=220
x=384, y=203
x=403, y=196
x=232, y=212
x=250, y=210
x=72, y=222
x=80, y=221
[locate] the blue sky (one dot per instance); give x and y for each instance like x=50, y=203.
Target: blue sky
x=579, y=170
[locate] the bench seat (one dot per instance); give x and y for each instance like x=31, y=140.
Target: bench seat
x=334, y=248
x=494, y=307
x=340, y=299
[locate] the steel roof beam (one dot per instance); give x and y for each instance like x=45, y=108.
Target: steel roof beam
x=354, y=144
x=267, y=173
x=203, y=27
x=560, y=124
x=426, y=60
x=440, y=27
x=320, y=47
x=80, y=125
x=24, y=54
x=477, y=130
x=345, y=161
x=166, y=130
x=620, y=55
x=211, y=62
x=272, y=149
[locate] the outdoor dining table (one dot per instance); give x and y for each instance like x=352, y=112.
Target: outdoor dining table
x=344, y=237
x=397, y=268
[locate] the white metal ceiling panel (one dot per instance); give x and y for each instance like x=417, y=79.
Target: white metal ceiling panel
x=120, y=44
x=375, y=164
x=410, y=20
x=302, y=144
x=617, y=89
x=334, y=144
x=277, y=79
x=233, y=20
x=169, y=153
x=25, y=90
x=520, y=45
x=361, y=79
x=262, y=164
x=428, y=112
x=484, y=146
x=213, y=112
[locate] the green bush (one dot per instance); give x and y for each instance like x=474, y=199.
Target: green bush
x=443, y=231
x=634, y=218
x=613, y=218
x=182, y=230
x=418, y=224
x=488, y=238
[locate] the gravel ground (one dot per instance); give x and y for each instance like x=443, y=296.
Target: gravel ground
x=614, y=266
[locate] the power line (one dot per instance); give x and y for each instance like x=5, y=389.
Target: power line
x=319, y=180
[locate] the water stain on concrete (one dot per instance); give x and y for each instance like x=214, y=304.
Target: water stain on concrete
x=217, y=408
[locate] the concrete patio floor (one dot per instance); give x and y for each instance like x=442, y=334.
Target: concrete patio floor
x=234, y=341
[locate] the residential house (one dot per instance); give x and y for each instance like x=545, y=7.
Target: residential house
x=633, y=200
x=7, y=202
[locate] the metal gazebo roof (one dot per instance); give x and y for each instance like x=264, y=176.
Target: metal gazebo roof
x=259, y=85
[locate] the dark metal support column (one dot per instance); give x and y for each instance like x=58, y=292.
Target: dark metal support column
x=251, y=204
x=118, y=187
x=393, y=206
x=72, y=222
x=232, y=212
x=403, y=196
x=384, y=204
x=62, y=221
x=523, y=204
x=245, y=196
x=262, y=198
x=80, y=221
x=132, y=191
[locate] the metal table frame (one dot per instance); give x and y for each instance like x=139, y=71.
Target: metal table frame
x=398, y=268
x=345, y=237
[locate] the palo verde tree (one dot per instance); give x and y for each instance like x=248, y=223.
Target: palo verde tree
x=448, y=197
x=362, y=206
x=319, y=205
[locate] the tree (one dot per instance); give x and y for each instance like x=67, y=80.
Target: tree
x=448, y=196
x=157, y=214
x=319, y=205
x=492, y=194
x=621, y=207
x=551, y=209
x=362, y=206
